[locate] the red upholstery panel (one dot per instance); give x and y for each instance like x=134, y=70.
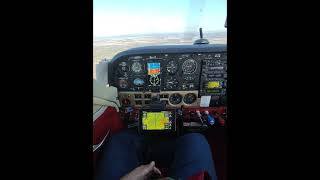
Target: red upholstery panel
x=109, y=120
x=198, y=176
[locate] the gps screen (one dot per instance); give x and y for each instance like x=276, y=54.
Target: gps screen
x=156, y=120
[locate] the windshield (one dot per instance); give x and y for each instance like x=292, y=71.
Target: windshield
x=123, y=24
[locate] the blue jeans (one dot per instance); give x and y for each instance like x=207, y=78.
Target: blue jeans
x=185, y=156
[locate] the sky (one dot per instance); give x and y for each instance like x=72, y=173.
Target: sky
x=122, y=17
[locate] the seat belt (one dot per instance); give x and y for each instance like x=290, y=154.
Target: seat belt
x=97, y=146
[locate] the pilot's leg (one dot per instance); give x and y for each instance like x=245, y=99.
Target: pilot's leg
x=119, y=156
x=192, y=155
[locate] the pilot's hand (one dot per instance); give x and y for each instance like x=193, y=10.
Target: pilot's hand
x=142, y=172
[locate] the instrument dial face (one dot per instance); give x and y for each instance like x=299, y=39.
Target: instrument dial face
x=189, y=66
x=138, y=82
x=189, y=98
x=172, y=67
x=154, y=80
x=123, y=83
x=175, y=99
x=136, y=67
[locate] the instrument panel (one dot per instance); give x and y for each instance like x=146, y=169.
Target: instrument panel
x=180, y=74
x=164, y=72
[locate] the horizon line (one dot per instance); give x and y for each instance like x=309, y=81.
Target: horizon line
x=159, y=33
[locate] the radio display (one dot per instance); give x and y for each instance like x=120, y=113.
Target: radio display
x=214, y=84
x=214, y=91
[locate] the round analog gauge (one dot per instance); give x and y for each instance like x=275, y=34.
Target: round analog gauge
x=172, y=67
x=172, y=83
x=189, y=98
x=175, y=99
x=154, y=80
x=138, y=82
x=189, y=66
x=123, y=83
x=136, y=67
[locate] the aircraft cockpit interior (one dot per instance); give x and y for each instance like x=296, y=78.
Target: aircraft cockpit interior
x=171, y=88
x=164, y=82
